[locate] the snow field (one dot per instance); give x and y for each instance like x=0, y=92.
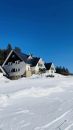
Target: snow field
x=36, y=103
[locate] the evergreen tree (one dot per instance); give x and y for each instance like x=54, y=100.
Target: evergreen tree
x=62, y=70
x=7, y=50
x=4, y=52
x=9, y=47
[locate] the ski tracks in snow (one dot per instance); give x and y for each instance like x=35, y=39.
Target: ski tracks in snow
x=54, y=121
x=67, y=128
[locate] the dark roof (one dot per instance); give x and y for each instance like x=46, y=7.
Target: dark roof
x=22, y=56
x=48, y=65
x=33, y=62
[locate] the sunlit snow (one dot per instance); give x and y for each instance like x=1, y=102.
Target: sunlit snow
x=36, y=103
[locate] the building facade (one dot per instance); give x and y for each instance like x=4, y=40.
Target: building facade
x=19, y=65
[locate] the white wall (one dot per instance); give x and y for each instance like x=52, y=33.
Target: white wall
x=28, y=67
x=37, y=67
x=28, y=70
x=21, y=66
x=52, y=69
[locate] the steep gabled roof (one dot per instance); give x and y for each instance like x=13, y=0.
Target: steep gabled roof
x=48, y=65
x=33, y=62
x=22, y=56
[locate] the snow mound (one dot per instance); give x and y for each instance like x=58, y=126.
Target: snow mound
x=36, y=92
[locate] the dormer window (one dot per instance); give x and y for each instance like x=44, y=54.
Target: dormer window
x=17, y=62
x=9, y=63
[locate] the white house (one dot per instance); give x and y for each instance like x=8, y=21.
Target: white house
x=50, y=68
x=18, y=65
x=36, y=64
x=15, y=64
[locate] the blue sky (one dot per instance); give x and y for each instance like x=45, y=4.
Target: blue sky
x=41, y=27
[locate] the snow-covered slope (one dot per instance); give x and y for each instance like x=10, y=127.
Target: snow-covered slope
x=36, y=103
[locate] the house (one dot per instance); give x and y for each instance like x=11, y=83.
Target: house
x=14, y=65
x=50, y=68
x=19, y=65
x=36, y=64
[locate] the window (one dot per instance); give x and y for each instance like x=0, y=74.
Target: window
x=51, y=71
x=13, y=70
x=52, y=68
x=40, y=65
x=17, y=62
x=9, y=63
x=18, y=69
x=9, y=71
